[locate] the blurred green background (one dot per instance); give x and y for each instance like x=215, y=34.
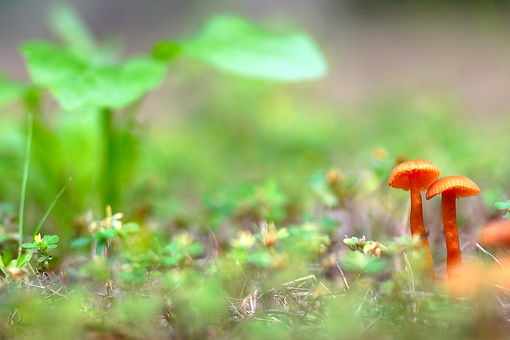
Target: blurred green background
x=409, y=79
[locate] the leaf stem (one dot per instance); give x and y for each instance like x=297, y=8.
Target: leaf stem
x=108, y=182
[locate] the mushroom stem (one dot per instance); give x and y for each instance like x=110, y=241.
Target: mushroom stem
x=418, y=227
x=451, y=233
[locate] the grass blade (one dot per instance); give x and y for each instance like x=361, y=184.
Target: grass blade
x=24, y=182
x=50, y=208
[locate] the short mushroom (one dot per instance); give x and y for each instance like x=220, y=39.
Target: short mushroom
x=451, y=188
x=416, y=176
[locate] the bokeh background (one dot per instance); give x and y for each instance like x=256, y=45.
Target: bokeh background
x=238, y=194
x=455, y=49
x=407, y=79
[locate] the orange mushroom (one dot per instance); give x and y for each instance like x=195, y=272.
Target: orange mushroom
x=416, y=176
x=451, y=188
x=496, y=234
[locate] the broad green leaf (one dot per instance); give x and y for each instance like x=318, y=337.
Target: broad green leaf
x=10, y=90
x=51, y=239
x=231, y=44
x=22, y=260
x=79, y=84
x=7, y=257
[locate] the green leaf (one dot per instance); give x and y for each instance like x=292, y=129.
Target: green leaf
x=171, y=260
x=23, y=259
x=49, y=239
x=109, y=233
x=7, y=257
x=352, y=241
x=231, y=44
x=502, y=205
x=29, y=245
x=81, y=242
x=79, y=84
x=42, y=259
x=52, y=246
x=166, y=50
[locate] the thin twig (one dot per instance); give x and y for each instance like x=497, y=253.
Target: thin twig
x=55, y=292
x=364, y=299
x=410, y=271
x=493, y=257
x=343, y=276
x=369, y=325
x=502, y=288
x=301, y=279
x=413, y=289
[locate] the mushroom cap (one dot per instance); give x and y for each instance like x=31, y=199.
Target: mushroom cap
x=462, y=186
x=496, y=233
x=421, y=170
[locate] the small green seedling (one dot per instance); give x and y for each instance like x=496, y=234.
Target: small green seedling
x=364, y=246
x=41, y=247
x=504, y=205
x=104, y=231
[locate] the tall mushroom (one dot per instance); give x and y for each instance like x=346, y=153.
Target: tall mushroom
x=451, y=188
x=416, y=176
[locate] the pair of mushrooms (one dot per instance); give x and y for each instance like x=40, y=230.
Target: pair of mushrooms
x=419, y=175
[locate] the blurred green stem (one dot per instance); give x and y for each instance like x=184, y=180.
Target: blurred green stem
x=32, y=102
x=109, y=185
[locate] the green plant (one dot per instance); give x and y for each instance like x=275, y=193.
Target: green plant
x=41, y=247
x=89, y=79
x=104, y=231
x=15, y=268
x=504, y=206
